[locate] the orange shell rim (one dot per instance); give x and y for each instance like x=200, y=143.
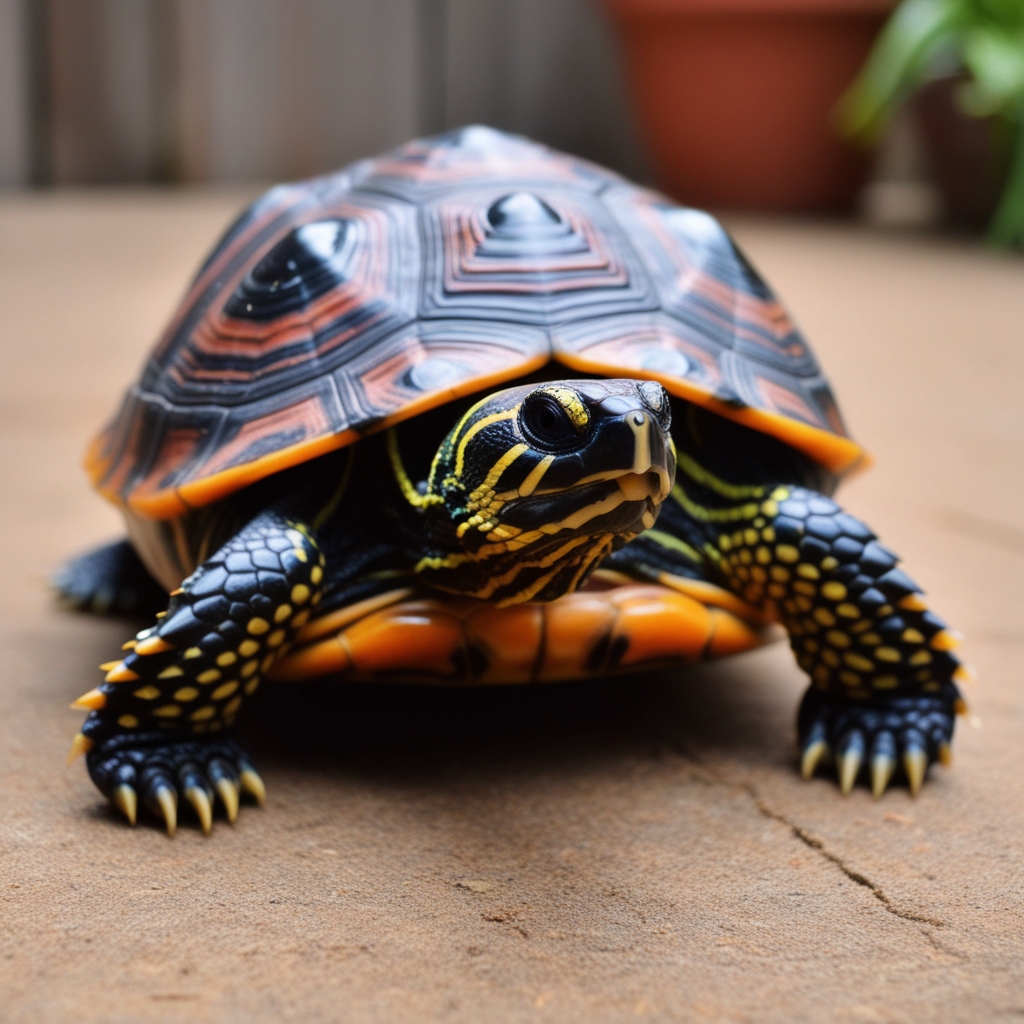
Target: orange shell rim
x=840, y=455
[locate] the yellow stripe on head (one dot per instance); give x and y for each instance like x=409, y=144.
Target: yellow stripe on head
x=486, y=421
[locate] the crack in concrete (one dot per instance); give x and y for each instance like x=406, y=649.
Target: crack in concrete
x=815, y=844
x=854, y=876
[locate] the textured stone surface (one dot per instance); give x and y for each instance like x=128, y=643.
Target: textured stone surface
x=638, y=850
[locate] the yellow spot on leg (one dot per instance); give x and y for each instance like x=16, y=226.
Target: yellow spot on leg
x=858, y=662
x=128, y=721
x=257, y=626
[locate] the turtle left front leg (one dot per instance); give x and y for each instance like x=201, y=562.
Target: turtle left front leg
x=155, y=724
x=883, y=671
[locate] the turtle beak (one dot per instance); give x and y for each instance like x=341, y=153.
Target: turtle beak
x=653, y=471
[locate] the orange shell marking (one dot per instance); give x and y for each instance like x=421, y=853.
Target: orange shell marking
x=465, y=642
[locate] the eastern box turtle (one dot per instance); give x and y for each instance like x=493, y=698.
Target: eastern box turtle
x=473, y=413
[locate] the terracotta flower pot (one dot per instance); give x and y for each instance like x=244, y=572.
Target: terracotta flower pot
x=735, y=97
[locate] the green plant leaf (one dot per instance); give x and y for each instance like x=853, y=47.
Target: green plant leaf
x=914, y=34
x=1006, y=229
x=995, y=60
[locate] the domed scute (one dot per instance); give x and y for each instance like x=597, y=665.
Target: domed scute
x=306, y=264
x=554, y=255
x=522, y=224
x=338, y=306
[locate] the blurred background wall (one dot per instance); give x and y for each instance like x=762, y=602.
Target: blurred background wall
x=114, y=91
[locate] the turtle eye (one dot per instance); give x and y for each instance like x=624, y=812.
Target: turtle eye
x=547, y=424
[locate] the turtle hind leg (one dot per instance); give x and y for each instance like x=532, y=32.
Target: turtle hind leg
x=109, y=580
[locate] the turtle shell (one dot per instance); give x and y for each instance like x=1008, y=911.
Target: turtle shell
x=338, y=306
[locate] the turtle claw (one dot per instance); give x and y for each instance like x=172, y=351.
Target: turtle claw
x=228, y=797
x=911, y=731
x=882, y=767
x=813, y=755
x=201, y=805
x=815, y=749
x=851, y=755
x=80, y=745
x=253, y=785
x=883, y=762
x=166, y=805
x=915, y=764
x=127, y=801
x=164, y=772
x=225, y=782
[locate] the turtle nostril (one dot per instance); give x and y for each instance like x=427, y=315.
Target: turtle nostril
x=639, y=419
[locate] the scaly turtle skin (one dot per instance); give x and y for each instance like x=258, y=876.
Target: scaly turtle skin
x=477, y=412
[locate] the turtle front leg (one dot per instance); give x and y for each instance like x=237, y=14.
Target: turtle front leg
x=883, y=671
x=152, y=726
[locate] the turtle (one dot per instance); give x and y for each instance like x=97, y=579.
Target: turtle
x=477, y=412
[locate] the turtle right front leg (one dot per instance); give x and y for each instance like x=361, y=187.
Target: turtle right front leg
x=153, y=725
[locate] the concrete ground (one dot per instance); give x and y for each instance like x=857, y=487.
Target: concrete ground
x=637, y=850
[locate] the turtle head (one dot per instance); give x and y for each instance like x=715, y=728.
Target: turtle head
x=536, y=484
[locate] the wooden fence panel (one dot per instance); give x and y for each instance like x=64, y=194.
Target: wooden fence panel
x=235, y=90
